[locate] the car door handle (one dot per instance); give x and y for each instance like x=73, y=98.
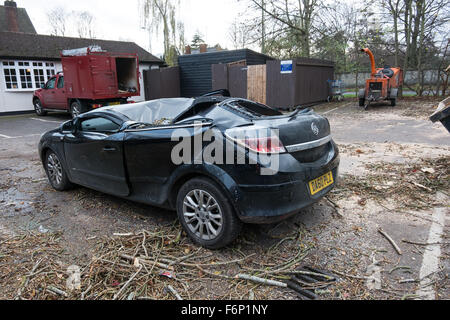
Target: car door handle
x=109, y=149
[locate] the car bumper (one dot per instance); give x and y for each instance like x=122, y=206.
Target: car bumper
x=275, y=202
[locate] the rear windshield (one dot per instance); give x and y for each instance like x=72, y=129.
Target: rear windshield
x=251, y=109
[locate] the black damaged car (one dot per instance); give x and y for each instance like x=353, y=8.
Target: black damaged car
x=218, y=161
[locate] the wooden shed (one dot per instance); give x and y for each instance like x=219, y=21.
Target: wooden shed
x=279, y=84
x=196, y=69
x=246, y=74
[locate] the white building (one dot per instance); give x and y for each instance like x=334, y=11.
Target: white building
x=28, y=59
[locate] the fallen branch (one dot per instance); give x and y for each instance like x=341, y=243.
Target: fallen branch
x=396, y=247
x=309, y=273
x=181, y=259
x=421, y=186
x=57, y=291
x=399, y=267
x=127, y=283
x=424, y=243
x=123, y=234
x=19, y=292
x=83, y=294
x=350, y=276
x=218, y=275
x=174, y=292
x=407, y=280
x=148, y=262
x=170, y=263
x=261, y=280
x=335, y=207
x=410, y=296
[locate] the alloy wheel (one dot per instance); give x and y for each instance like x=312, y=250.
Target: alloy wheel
x=38, y=107
x=202, y=214
x=54, y=169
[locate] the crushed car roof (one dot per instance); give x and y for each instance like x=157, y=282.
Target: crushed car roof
x=154, y=110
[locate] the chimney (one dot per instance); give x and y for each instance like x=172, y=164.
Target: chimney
x=12, y=24
x=187, y=49
x=203, y=48
x=10, y=4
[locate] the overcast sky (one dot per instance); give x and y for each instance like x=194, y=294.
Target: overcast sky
x=120, y=20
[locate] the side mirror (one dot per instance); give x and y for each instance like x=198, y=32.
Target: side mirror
x=67, y=126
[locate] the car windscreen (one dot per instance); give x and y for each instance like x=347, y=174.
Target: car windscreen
x=156, y=112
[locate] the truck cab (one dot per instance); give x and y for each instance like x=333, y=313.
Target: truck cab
x=51, y=96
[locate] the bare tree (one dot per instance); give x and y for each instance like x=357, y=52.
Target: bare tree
x=161, y=13
x=293, y=19
x=239, y=34
x=85, y=23
x=57, y=18
x=181, y=36
x=394, y=9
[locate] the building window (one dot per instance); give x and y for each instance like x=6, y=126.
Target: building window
x=10, y=78
x=26, y=75
x=25, y=78
x=39, y=78
x=50, y=73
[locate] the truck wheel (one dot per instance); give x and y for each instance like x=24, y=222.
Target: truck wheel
x=76, y=108
x=393, y=102
x=206, y=214
x=361, y=102
x=38, y=108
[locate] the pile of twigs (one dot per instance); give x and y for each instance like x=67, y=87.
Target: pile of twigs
x=161, y=264
x=412, y=185
x=30, y=266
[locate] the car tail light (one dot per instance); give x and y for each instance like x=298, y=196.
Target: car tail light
x=96, y=106
x=257, y=139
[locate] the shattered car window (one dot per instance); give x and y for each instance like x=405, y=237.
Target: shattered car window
x=156, y=112
x=251, y=109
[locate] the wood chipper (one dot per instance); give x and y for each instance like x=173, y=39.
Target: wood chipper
x=382, y=85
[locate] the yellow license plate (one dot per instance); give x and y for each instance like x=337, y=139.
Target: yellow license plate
x=321, y=183
x=113, y=103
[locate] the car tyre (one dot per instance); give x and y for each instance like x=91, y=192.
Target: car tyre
x=38, y=108
x=206, y=214
x=76, y=108
x=56, y=172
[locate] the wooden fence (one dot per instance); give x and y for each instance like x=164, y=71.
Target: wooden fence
x=162, y=83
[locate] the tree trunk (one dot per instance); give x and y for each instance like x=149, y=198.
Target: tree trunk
x=263, y=28
x=407, y=30
x=420, y=73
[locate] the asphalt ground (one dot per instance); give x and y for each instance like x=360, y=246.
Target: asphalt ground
x=343, y=233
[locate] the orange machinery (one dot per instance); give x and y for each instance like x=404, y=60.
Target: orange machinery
x=383, y=84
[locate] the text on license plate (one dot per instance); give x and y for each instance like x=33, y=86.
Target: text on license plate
x=321, y=183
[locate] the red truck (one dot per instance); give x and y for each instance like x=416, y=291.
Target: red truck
x=91, y=79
